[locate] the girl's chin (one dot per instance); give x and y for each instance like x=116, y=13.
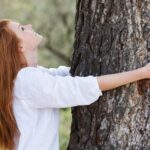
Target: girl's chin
x=39, y=38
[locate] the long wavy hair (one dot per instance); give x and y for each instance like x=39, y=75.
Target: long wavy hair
x=10, y=64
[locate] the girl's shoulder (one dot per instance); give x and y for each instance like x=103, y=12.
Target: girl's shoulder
x=28, y=71
x=29, y=75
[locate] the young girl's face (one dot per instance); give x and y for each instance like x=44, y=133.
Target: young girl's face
x=29, y=39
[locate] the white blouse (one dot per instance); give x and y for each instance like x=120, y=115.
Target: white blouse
x=38, y=95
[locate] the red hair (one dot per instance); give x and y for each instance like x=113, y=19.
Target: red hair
x=10, y=64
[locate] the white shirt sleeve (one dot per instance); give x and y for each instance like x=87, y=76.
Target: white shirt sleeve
x=61, y=70
x=42, y=90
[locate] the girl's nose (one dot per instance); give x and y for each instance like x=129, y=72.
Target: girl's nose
x=29, y=26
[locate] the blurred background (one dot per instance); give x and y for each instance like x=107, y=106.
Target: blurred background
x=54, y=19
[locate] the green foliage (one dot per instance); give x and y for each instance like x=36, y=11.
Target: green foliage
x=54, y=19
x=64, y=132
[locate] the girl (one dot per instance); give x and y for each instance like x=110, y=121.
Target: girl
x=30, y=96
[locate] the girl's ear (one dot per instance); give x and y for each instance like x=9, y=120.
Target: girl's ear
x=21, y=49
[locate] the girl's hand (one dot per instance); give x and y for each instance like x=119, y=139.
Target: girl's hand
x=146, y=71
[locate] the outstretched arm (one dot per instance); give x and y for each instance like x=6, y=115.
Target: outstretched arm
x=108, y=82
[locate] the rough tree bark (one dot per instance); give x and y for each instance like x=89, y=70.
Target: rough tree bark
x=112, y=36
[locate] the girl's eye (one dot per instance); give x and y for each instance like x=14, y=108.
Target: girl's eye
x=22, y=28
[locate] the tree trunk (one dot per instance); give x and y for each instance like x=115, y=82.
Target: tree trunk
x=112, y=36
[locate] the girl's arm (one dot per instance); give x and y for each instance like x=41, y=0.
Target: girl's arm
x=108, y=82
x=40, y=89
